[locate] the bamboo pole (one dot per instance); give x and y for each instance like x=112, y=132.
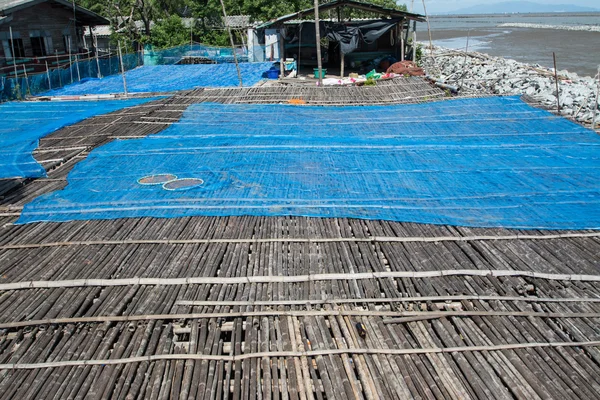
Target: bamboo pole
x=556, y=80
x=281, y=54
x=402, y=43
x=70, y=60
x=48, y=75
x=411, y=299
x=14, y=59
x=291, y=278
x=318, y=40
x=414, y=42
x=308, y=353
x=59, y=69
x=77, y=65
x=122, y=69
x=370, y=239
x=237, y=66
x=340, y=17
x=465, y=60
x=428, y=28
x=95, y=40
x=394, y=316
x=26, y=79
x=596, y=104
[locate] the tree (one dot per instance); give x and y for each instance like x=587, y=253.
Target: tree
x=169, y=32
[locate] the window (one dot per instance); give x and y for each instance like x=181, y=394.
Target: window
x=16, y=44
x=38, y=47
x=67, y=43
x=41, y=43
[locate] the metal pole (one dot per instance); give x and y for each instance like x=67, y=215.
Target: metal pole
x=122, y=68
x=556, y=80
x=48, y=75
x=237, y=66
x=318, y=39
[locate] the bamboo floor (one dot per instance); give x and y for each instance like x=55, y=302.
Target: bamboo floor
x=285, y=307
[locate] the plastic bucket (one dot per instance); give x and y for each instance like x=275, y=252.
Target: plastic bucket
x=323, y=72
x=273, y=74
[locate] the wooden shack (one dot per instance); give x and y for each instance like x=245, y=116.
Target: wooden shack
x=352, y=33
x=33, y=32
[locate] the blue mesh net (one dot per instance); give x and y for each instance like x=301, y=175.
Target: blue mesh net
x=477, y=162
x=174, y=55
x=19, y=88
x=23, y=124
x=168, y=78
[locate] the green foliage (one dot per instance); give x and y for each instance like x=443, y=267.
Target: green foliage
x=165, y=14
x=169, y=32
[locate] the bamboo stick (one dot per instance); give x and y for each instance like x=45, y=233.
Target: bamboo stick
x=309, y=353
x=122, y=69
x=450, y=298
x=597, y=100
x=237, y=66
x=556, y=81
x=421, y=314
x=318, y=42
x=430, y=239
x=291, y=279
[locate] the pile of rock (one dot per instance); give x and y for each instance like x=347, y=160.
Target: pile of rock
x=477, y=72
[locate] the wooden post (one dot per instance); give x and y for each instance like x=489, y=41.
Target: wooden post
x=122, y=68
x=556, y=79
x=237, y=66
x=318, y=39
x=281, y=54
x=48, y=75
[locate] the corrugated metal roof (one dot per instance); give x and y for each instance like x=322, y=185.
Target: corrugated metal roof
x=84, y=15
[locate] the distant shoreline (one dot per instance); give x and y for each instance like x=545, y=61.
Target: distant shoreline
x=563, y=13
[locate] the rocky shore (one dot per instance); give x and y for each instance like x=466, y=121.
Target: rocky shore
x=478, y=72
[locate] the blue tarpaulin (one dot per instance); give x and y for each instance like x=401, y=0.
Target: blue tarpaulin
x=492, y=162
x=22, y=124
x=168, y=78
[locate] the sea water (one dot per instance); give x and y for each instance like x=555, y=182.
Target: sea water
x=529, y=38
